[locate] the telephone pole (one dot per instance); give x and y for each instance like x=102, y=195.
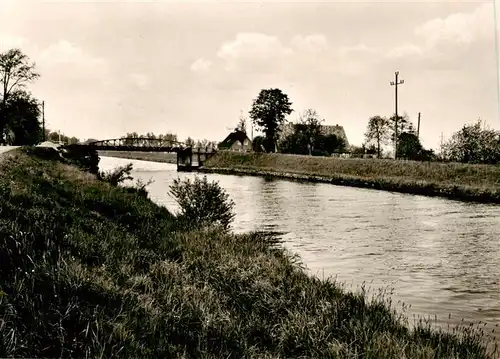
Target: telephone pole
x=418, y=127
x=442, y=155
x=43, y=120
x=395, y=84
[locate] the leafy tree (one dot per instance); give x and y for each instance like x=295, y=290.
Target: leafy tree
x=15, y=73
x=371, y=149
x=170, y=137
x=55, y=135
x=73, y=140
x=297, y=142
x=202, y=203
x=189, y=142
x=22, y=113
x=330, y=144
x=356, y=150
x=474, y=144
x=202, y=144
x=378, y=132
x=258, y=144
x=310, y=126
x=89, y=140
x=268, y=113
x=404, y=125
x=409, y=146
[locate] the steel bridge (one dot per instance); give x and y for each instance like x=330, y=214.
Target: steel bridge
x=188, y=158
x=139, y=144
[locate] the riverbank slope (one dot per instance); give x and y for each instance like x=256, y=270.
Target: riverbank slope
x=91, y=270
x=452, y=180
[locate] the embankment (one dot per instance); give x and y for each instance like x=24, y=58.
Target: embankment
x=92, y=270
x=164, y=157
x=465, y=182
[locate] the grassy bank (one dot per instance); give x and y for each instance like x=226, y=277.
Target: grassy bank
x=143, y=156
x=453, y=180
x=90, y=270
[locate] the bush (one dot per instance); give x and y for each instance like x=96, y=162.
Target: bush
x=139, y=187
x=202, y=203
x=118, y=175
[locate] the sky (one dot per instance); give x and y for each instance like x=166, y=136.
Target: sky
x=191, y=67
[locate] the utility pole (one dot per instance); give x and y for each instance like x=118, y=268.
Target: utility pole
x=442, y=155
x=395, y=84
x=43, y=120
x=418, y=127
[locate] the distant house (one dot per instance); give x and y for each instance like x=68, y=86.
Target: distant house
x=288, y=129
x=236, y=141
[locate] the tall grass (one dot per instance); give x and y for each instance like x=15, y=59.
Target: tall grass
x=92, y=270
x=464, y=181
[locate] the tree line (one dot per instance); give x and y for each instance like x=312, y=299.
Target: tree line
x=473, y=143
x=382, y=131
x=268, y=113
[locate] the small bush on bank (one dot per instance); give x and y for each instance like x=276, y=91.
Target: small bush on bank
x=118, y=175
x=202, y=203
x=121, y=174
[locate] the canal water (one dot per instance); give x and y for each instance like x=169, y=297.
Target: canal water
x=442, y=257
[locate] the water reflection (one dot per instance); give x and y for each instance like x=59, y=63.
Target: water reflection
x=438, y=255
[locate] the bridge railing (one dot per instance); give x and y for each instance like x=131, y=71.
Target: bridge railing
x=151, y=143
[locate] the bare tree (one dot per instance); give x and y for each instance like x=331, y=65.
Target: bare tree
x=242, y=124
x=15, y=73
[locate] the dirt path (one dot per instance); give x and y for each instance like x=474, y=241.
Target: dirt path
x=5, y=149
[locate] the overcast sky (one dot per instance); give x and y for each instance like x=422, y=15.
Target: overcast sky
x=113, y=67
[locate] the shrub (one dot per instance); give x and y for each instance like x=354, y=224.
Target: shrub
x=118, y=175
x=139, y=187
x=202, y=203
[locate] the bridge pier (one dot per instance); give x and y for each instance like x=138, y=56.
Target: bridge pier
x=185, y=159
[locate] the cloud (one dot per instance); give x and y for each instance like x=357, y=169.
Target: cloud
x=8, y=42
x=201, y=65
x=139, y=80
x=312, y=44
x=459, y=28
x=253, y=52
x=64, y=53
x=403, y=51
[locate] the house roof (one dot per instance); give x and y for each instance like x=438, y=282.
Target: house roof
x=232, y=138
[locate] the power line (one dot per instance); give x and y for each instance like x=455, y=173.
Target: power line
x=395, y=84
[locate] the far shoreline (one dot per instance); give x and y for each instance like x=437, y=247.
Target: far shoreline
x=308, y=169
